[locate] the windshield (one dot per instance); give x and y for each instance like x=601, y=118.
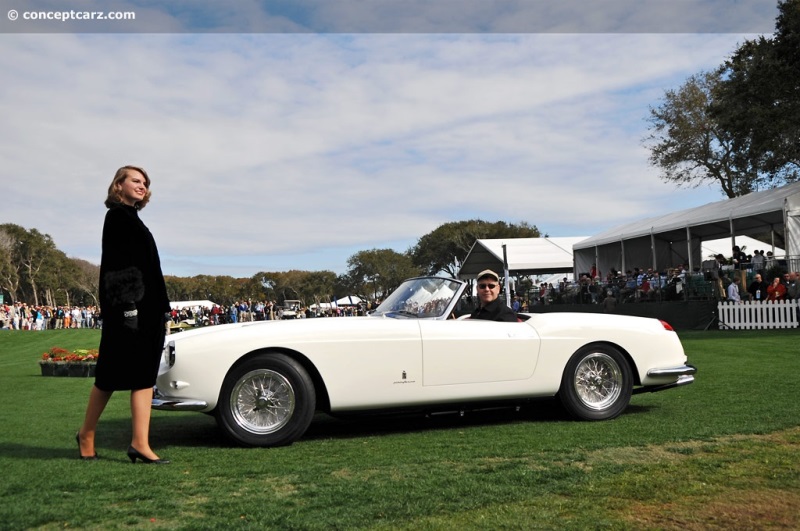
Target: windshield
x=428, y=297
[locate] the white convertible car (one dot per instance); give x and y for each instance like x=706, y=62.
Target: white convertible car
x=264, y=380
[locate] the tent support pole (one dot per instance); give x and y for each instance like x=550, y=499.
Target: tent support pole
x=772, y=234
x=597, y=258
x=653, y=249
x=505, y=276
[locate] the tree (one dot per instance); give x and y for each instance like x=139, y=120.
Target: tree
x=758, y=100
x=375, y=273
x=444, y=249
x=33, y=252
x=9, y=264
x=87, y=278
x=738, y=126
x=689, y=145
x=60, y=274
x=26, y=253
x=319, y=286
x=307, y=286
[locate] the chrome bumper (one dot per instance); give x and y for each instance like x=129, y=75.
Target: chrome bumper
x=684, y=373
x=176, y=404
x=686, y=370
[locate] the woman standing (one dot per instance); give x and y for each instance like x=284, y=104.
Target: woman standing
x=133, y=301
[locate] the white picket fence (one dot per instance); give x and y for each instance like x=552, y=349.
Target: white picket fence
x=758, y=314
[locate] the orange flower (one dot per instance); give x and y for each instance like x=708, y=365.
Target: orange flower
x=62, y=354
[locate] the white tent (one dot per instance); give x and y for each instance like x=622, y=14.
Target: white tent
x=350, y=300
x=526, y=256
x=675, y=238
x=745, y=243
x=192, y=304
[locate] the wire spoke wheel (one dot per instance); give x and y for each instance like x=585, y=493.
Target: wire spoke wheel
x=262, y=401
x=266, y=400
x=598, y=381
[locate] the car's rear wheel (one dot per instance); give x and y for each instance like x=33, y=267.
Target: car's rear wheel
x=268, y=400
x=597, y=383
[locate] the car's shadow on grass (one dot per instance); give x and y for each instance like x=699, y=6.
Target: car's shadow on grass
x=544, y=411
x=193, y=430
x=345, y=427
x=196, y=430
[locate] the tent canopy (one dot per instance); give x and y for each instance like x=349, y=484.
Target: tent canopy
x=723, y=246
x=665, y=241
x=526, y=256
x=192, y=304
x=349, y=300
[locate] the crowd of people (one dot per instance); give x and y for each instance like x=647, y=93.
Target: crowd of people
x=636, y=285
x=247, y=311
x=782, y=287
x=21, y=316
x=740, y=278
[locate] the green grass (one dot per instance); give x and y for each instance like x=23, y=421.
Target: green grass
x=719, y=454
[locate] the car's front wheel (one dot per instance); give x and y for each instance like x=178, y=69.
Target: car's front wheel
x=597, y=383
x=268, y=400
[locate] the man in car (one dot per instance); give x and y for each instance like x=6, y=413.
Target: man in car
x=491, y=308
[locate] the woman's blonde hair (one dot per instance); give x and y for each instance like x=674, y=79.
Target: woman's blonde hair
x=114, y=196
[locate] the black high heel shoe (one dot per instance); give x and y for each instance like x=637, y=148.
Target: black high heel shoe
x=94, y=457
x=134, y=454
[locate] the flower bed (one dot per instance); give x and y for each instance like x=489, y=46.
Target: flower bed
x=62, y=362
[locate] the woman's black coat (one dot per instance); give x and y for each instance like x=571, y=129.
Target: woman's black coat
x=130, y=274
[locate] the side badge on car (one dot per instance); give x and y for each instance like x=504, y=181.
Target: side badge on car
x=404, y=379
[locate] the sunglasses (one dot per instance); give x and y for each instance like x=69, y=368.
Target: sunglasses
x=487, y=286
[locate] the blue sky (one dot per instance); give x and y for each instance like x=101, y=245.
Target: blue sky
x=294, y=150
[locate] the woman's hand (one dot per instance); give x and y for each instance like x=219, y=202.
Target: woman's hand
x=131, y=318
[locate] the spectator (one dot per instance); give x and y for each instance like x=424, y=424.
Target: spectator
x=793, y=287
x=594, y=272
x=776, y=291
x=739, y=258
x=609, y=303
x=758, y=261
x=733, y=290
x=757, y=289
x=643, y=291
x=785, y=281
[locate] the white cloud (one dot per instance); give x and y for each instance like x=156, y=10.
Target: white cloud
x=294, y=151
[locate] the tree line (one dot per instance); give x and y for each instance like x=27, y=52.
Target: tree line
x=35, y=271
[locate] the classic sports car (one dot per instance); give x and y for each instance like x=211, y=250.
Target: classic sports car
x=264, y=380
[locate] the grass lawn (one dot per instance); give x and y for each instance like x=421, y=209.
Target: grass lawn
x=719, y=454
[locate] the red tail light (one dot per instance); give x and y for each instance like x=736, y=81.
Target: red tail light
x=667, y=326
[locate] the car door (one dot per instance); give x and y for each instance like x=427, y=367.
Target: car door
x=477, y=351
